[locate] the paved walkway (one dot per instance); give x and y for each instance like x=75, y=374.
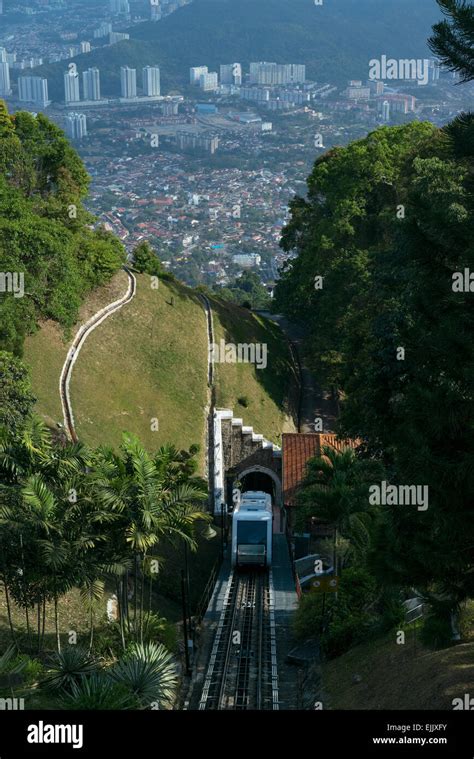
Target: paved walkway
x=76, y=345
x=286, y=602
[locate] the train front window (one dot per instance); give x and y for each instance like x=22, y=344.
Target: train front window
x=252, y=533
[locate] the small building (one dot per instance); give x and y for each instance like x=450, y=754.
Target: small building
x=206, y=108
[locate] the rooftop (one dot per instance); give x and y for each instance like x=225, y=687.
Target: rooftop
x=297, y=449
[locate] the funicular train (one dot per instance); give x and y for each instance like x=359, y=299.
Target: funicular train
x=252, y=530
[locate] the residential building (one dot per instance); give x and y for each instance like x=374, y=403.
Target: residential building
x=187, y=140
x=209, y=82
x=231, y=73
x=119, y=7
x=246, y=260
x=151, y=81
x=263, y=72
x=4, y=79
x=76, y=125
x=258, y=94
x=355, y=91
x=128, y=81
x=33, y=89
x=91, y=84
x=103, y=30
x=71, y=87
x=115, y=37
x=195, y=73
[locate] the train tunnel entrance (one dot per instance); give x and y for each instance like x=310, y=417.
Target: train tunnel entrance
x=261, y=478
x=258, y=481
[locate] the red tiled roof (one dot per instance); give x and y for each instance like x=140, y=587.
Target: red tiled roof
x=297, y=449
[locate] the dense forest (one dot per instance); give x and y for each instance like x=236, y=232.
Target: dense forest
x=383, y=246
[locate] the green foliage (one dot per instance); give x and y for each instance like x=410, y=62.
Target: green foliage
x=67, y=668
x=453, y=38
x=336, y=491
x=31, y=669
x=436, y=631
x=149, y=672
x=387, y=222
x=346, y=621
x=247, y=290
x=98, y=692
x=145, y=260
x=16, y=400
x=45, y=232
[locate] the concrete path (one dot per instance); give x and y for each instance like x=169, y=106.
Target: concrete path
x=76, y=345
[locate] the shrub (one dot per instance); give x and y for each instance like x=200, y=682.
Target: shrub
x=98, y=692
x=67, y=668
x=149, y=673
x=436, y=631
x=30, y=669
x=346, y=621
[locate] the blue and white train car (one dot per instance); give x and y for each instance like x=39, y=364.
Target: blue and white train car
x=252, y=530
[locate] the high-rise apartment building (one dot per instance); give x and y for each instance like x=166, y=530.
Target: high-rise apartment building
x=209, y=82
x=262, y=72
x=71, y=87
x=91, y=84
x=151, y=81
x=85, y=47
x=76, y=125
x=195, y=72
x=128, y=81
x=186, y=140
x=103, y=30
x=231, y=73
x=115, y=37
x=119, y=7
x=4, y=79
x=33, y=89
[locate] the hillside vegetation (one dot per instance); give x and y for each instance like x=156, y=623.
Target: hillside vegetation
x=391, y=676
x=149, y=361
x=335, y=40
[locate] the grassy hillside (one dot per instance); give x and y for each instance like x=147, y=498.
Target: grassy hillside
x=268, y=395
x=149, y=361
x=399, y=676
x=335, y=40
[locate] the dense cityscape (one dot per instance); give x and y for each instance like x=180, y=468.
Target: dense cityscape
x=204, y=175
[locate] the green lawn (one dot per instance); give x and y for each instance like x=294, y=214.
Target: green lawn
x=145, y=362
x=269, y=392
x=148, y=362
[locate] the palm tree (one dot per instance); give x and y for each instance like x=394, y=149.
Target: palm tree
x=453, y=38
x=336, y=490
x=156, y=500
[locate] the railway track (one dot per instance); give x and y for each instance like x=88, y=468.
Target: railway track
x=242, y=671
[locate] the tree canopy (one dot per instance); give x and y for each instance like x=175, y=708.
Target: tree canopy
x=383, y=250
x=46, y=236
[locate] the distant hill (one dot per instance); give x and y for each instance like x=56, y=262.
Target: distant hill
x=335, y=40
